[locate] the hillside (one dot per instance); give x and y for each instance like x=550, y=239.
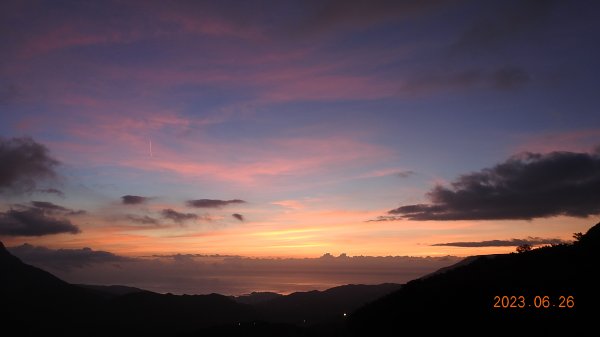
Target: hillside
x=317, y=306
x=31, y=295
x=461, y=300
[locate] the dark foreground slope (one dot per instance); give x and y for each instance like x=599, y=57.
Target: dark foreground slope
x=319, y=306
x=461, y=301
x=36, y=303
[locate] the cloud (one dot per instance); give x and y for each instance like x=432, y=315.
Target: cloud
x=533, y=241
x=238, y=216
x=505, y=77
x=133, y=199
x=212, y=203
x=405, y=174
x=33, y=221
x=525, y=186
x=64, y=259
x=292, y=204
x=383, y=218
x=49, y=207
x=24, y=161
x=146, y=220
x=178, y=217
x=52, y=191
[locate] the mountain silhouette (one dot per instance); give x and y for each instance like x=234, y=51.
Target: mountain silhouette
x=316, y=306
x=460, y=300
x=256, y=297
x=30, y=294
x=112, y=290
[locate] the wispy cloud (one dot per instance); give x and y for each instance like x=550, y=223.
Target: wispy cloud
x=178, y=217
x=212, y=203
x=52, y=191
x=534, y=241
x=145, y=220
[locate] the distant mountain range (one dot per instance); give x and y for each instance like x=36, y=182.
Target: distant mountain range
x=457, y=300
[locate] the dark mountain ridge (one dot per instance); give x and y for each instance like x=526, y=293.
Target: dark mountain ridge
x=256, y=297
x=112, y=290
x=316, y=306
x=461, y=300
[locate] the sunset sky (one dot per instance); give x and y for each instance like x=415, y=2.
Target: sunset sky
x=297, y=128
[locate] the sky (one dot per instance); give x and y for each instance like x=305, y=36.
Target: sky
x=270, y=130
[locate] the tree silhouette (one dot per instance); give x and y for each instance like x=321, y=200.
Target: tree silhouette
x=523, y=248
x=577, y=236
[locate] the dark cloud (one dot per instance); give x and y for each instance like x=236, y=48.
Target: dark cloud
x=49, y=207
x=212, y=203
x=533, y=241
x=24, y=161
x=193, y=256
x=133, y=199
x=64, y=259
x=238, y=216
x=501, y=78
x=405, y=174
x=52, y=191
x=54, y=208
x=178, y=217
x=33, y=222
x=525, y=186
x=146, y=220
x=383, y=218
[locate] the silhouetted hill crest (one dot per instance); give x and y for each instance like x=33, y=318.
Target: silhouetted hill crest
x=256, y=297
x=592, y=237
x=468, y=292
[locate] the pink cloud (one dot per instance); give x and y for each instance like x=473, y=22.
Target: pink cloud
x=260, y=160
x=330, y=87
x=72, y=35
x=582, y=140
x=387, y=172
x=124, y=140
x=155, y=21
x=291, y=204
x=209, y=24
